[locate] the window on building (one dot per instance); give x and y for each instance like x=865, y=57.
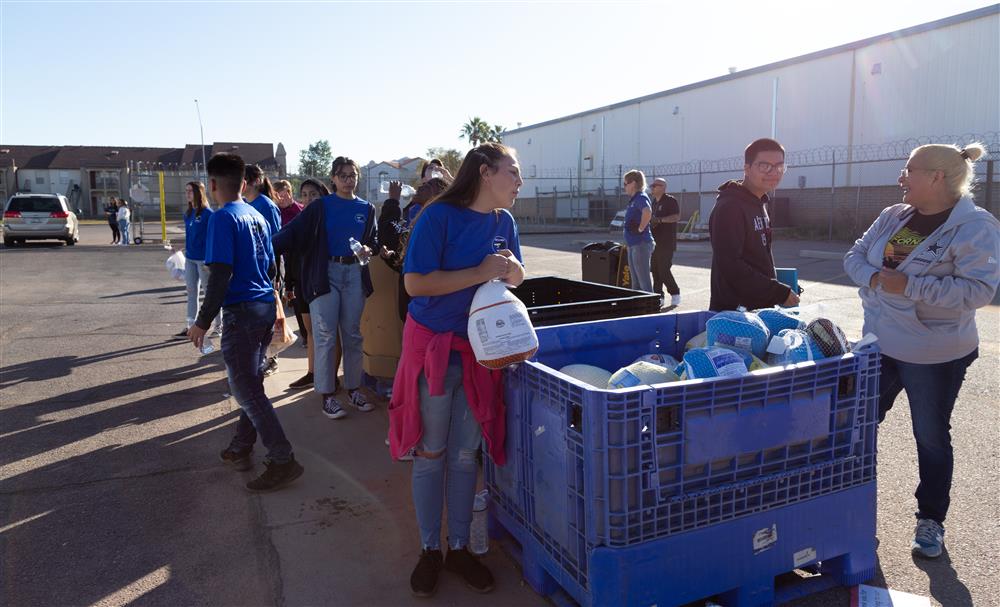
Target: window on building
x=64, y=177
x=39, y=180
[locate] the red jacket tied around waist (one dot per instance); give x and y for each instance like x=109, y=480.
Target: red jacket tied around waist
x=427, y=352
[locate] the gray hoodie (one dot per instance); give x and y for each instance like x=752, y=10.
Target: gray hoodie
x=952, y=273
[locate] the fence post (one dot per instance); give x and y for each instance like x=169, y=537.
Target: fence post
x=989, y=189
x=833, y=195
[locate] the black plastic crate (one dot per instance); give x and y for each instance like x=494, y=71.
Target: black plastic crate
x=556, y=301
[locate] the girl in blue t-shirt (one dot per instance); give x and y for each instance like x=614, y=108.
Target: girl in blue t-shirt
x=344, y=216
x=195, y=235
x=638, y=237
x=461, y=240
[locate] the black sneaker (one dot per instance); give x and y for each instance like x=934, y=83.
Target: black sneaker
x=306, y=381
x=183, y=333
x=424, y=579
x=276, y=476
x=238, y=459
x=272, y=366
x=475, y=574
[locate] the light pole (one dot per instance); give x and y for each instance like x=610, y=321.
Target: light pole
x=201, y=131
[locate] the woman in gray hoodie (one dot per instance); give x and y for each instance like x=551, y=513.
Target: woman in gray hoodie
x=924, y=267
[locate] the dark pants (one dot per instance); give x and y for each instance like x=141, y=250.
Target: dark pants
x=115, y=233
x=247, y=329
x=932, y=391
x=663, y=258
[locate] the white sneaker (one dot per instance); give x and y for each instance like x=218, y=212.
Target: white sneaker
x=675, y=300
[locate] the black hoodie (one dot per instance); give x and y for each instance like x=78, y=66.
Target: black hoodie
x=742, y=264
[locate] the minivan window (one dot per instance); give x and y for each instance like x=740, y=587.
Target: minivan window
x=35, y=204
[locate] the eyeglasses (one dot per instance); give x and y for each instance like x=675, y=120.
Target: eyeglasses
x=348, y=176
x=905, y=173
x=768, y=168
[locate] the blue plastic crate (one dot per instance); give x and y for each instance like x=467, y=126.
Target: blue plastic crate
x=619, y=468
x=751, y=561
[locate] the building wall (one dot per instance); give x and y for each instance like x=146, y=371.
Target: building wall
x=944, y=81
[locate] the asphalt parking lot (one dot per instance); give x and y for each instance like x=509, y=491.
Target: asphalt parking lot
x=111, y=491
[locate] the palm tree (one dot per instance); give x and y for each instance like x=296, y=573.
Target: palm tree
x=496, y=133
x=476, y=130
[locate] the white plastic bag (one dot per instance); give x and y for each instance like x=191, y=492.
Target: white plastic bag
x=175, y=265
x=500, y=329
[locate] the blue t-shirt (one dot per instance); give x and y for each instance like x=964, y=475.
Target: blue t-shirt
x=447, y=237
x=633, y=216
x=268, y=210
x=343, y=219
x=195, y=233
x=411, y=212
x=239, y=236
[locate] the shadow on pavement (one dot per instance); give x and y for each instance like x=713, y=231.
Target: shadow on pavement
x=946, y=588
x=27, y=436
x=51, y=368
x=175, y=289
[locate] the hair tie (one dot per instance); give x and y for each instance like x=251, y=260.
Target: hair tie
x=964, y=154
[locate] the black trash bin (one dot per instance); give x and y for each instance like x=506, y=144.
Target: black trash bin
x=554, y=301
x=600, y=262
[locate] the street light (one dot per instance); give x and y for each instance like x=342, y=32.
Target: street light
x=201, y=131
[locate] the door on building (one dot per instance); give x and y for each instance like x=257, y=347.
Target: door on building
x=104, y=184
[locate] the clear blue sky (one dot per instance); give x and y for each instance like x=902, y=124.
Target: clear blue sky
x=381, y=80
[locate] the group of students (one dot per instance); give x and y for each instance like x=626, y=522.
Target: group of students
x=445, y=406
x=119, y=220
x=461, y=234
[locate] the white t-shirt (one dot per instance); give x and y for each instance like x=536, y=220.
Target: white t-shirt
x=123, y=214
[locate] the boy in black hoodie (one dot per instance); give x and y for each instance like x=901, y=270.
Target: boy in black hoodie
x=742, y=264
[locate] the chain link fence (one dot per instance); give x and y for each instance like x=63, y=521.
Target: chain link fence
x=831, y=191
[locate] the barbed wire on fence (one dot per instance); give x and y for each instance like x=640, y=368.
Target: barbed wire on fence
x=821, y=156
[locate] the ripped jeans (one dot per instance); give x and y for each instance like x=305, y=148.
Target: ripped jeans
x=450, y=430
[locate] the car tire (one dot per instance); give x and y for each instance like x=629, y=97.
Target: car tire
x=9, y=242
x=137, y=240
x=70, y=241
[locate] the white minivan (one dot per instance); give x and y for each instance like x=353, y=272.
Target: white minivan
x=39, y=217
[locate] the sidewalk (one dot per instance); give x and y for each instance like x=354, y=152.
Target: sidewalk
x=353, y=503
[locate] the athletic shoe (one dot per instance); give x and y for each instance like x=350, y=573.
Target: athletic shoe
x=468, y=567
x=306, y=381
x=675, y=300
x=272, y=367
x=276, y=476
x=238, y=459
x=358, y=400
x=182, y=334
x=332, y=408
x=928, y=539
x=425, y=576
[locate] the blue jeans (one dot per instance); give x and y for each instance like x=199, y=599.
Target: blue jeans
x=639, y=256
x=932, y=391
x=338, y=310
x=196, y=279
x=247, y=331
x=451, y=431
x=123, y=228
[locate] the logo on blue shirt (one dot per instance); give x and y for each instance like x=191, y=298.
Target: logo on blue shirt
x=359, y=218
x=499, y=244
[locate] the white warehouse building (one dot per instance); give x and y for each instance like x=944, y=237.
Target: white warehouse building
x=847, y=117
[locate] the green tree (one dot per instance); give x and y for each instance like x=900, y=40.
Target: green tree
x=476, y=130
x=496, y=133
x=450, y=158
x=315, y=161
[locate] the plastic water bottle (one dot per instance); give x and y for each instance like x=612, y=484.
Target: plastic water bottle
x=406, y=191
x=206, y=346
x=359, y=251
x=479, y=539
